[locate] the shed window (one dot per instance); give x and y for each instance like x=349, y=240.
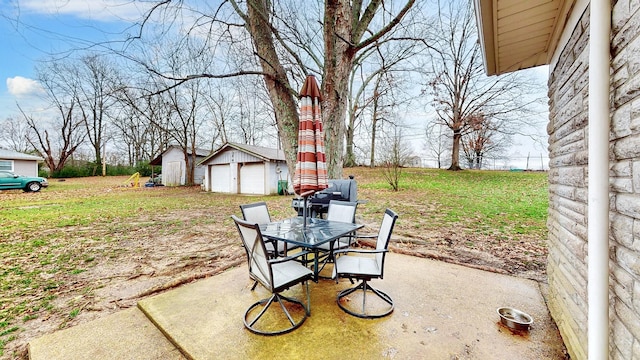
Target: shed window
x=6, y=165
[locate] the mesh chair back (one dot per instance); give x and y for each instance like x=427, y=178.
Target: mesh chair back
x=257, y=213
x=384, y=235
x=259, y=267
x=344, y=211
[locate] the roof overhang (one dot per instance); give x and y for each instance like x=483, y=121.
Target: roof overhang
x=517, y=34
x=6, y=154
x=264, y=153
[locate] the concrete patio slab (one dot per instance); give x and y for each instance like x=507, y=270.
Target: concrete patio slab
x=442, y=311
x=127, y=334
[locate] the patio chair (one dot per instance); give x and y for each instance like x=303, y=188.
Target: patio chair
x=276, y=275
x=344, y=211
x=259, y=213
x=366, y=265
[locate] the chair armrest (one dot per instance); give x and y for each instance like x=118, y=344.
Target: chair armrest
x=287, y=258
x=360, y=251
x=366, y=236
x=321, y=195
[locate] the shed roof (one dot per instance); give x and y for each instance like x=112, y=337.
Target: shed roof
x=6, y=154
x=264, y=153
x=517, y=34
x=158, y=159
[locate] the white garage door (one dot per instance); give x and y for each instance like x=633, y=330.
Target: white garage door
x=252, y=178
x=220, y=179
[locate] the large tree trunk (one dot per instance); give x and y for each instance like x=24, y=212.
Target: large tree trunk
x=189, y=166
x=345, y=23
x=97, y=166
x=285, y=104
x=350, y=156
x=338, y=63
x=372, y=161
x=455, y=153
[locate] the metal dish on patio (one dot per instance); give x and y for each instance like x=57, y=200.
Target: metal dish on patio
x=514, y=318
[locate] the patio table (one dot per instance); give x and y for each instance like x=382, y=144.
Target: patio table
x=315, y=233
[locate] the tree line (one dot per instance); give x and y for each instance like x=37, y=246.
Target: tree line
x=198, y=75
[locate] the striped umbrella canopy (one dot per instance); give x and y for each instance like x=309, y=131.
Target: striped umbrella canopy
x=311, y=167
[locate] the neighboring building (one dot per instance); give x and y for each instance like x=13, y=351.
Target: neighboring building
x=414, y=161
x=594, y=224
x=19, y=163
x=174, y=167
x=245, y=169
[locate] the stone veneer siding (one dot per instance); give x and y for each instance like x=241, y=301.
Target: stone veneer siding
x=568, y=152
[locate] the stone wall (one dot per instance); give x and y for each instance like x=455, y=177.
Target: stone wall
x=625, y=181
x=567, y=223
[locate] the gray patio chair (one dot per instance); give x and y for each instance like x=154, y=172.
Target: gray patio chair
x=259, y=213
x=276, y=275
x=366, y=265
x=343, y=211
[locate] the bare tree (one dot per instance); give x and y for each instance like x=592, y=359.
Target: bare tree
x=141, y=123
x=386, y=100
x=134, y=127
x=438, y=142
x=186, y=122
x=56, y=140
x=347, y=28
x=222, y=110
x=89, y=83
x=239, y=112
x=395, y=156
x=375, y=68
x=58, y=132
x=14, y=135
x=94, y=94
x=485, y=139
x=459, y=88
x=379, y=112
x=184, y=114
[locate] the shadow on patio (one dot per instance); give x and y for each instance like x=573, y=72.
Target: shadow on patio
x=442, y=311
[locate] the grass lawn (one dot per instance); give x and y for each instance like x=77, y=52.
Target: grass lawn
x=84, y=248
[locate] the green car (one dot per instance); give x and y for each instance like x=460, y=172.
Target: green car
x=9, y=180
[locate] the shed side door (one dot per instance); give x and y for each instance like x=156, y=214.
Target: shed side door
x=172, y=175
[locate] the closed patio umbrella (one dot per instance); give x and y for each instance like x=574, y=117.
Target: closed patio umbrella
x=311, y=168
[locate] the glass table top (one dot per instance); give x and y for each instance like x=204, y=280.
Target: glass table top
x=315, y=233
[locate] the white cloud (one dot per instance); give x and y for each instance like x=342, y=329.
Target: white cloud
x=105, y=10
x=20, y=86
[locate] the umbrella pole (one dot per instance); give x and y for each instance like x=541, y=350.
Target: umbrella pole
x=304, y=213
x=305, y=196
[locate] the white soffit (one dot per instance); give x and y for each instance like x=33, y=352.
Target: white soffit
x=519, y=34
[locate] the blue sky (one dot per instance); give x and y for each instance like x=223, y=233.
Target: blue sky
x=35, y=30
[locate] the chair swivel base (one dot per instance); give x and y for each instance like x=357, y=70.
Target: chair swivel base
x=253, y=326
x=366, y=288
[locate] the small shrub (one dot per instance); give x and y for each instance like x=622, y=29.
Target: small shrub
x=92, y=169
x=116, y=170
x=145, y=169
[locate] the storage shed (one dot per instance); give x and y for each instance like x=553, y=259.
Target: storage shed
x=174, y=167
x=245, y=169
x=19, y=163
